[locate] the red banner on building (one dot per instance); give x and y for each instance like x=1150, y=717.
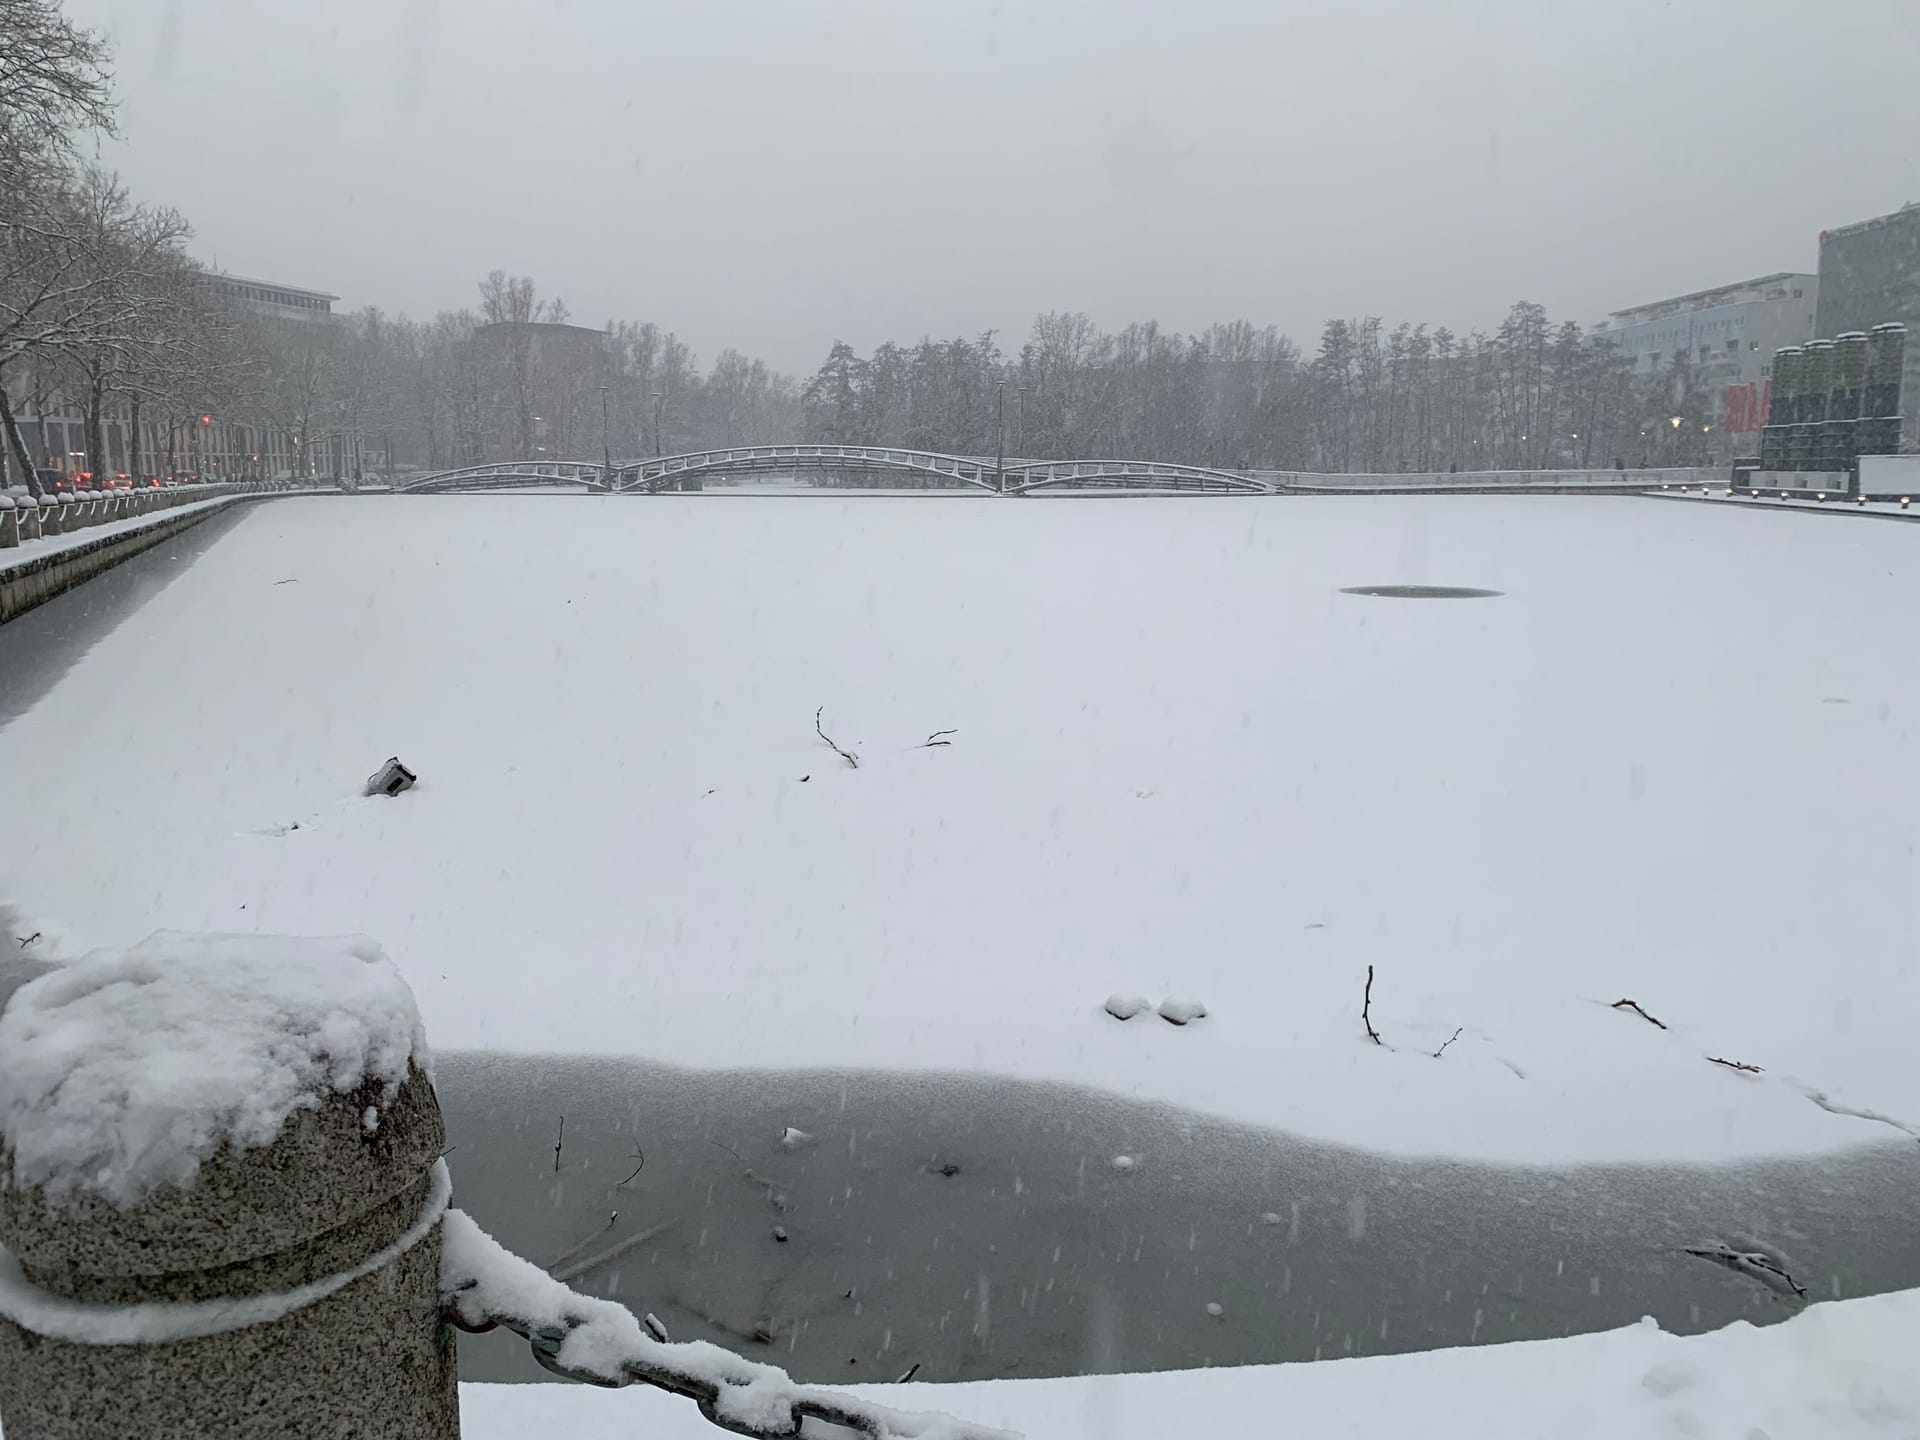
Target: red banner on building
x=1747, y=407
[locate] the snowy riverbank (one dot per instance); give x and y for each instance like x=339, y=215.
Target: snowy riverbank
x=1842, y=1371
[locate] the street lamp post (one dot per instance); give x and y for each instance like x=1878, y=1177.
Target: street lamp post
x=1000, y=455
x=606, y=439
x=657, y=399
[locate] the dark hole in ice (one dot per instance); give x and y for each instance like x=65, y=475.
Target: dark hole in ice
x=1420, y=592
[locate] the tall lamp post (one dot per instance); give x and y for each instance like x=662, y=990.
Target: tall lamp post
x=657, y=399
x=606, y=440
x=1000, y=455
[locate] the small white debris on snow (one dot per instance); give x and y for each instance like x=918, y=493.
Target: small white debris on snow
x=1125, y=1007
x=1124, y=1163
x=126, y=1070
x=792, y=1138
x=1216, y=1309
x=1179, y=1012
x=1270, y=1218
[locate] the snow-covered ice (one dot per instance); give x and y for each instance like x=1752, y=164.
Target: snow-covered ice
x=1846, y=1370
x=125, y=1070
x=1191, y=767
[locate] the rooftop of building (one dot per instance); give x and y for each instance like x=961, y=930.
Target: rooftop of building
x=221, y=278
x=1717, y=295
x=1908, y=211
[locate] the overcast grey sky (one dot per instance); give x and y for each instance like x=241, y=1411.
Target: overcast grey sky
x=773, y=174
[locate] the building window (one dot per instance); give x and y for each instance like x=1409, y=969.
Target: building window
x=1796, y=293
x=1732, y=346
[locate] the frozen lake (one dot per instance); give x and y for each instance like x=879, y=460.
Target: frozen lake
x=1673, y=759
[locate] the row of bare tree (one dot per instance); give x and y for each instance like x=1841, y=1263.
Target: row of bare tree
x=1531, y=395
x=103, y=312
x=98, y=301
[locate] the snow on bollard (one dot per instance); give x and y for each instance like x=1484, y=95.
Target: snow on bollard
x=199, y=1233
x=390, y=779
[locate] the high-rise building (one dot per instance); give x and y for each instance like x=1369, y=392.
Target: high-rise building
x=1870, y=277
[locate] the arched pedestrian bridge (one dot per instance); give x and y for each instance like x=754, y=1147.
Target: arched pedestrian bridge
x=923, y=468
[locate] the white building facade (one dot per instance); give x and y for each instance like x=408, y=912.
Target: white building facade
x=1727, y=335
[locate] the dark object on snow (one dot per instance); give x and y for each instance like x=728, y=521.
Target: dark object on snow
x=390, y=779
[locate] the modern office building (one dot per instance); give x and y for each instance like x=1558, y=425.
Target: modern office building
x=1727, y=334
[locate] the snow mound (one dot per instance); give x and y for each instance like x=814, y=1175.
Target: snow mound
x=126, y=1070
x=1180, y=1012
x=1125, y=1007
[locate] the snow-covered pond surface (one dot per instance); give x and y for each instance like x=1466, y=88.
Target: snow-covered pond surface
x=1674, y=760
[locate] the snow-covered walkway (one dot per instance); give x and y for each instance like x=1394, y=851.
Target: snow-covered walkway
x=1840, y=1371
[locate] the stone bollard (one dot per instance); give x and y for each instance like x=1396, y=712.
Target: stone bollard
x=50, y=513
x=28, y=510
x=220, y=1183
x=9, y=523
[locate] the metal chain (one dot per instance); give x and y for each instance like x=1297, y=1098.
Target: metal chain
x=877, y=1422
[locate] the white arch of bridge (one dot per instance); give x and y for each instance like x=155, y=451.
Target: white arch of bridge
x=1016, y=477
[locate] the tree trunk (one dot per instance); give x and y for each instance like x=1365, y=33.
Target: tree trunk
x=134, y=455
x=17, y=443
x=98, y=461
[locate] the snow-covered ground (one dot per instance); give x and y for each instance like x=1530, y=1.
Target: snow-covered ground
x=1836, y=1372
x=1675, y=761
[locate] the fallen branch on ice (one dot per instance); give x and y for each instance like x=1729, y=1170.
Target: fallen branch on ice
x=934, y=739
x=641, y=1156
x=1734, y=1065
x=1634, y=1005
x=1746, y=1260
x=1366, y=1010
x=1448, y=1041
x=846, y=755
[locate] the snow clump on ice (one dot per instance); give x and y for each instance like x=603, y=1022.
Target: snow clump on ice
x=126, y=1070
x=1179, y=1012
x=1125, y=1007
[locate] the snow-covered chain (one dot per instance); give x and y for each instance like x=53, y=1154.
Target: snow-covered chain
x=599, y=1342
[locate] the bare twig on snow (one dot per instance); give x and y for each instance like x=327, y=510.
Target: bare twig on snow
x=1448, y=1041
x=641, y=1156
x=934, y=739
x=852, y=760
x=912, y=1370
x=1634, y=1005
x=558, y=1141
x=1366, y=1010
x=1734, y=1065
